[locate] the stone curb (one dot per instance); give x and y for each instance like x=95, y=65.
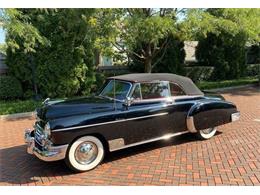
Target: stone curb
x=17, y=116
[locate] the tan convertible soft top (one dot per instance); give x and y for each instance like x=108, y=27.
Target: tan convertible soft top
x=186, y=83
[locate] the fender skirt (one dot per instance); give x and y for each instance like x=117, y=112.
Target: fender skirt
x=206, y=114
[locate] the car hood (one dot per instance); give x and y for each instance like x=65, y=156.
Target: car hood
x=64, y=108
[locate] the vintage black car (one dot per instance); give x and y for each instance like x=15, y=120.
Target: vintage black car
x=130, y=110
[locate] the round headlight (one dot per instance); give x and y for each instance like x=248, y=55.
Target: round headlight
x=47, y=130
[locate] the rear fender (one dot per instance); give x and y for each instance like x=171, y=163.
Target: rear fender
x=210, y=113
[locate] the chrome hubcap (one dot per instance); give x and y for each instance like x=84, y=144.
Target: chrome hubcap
x=86, y=153
x=208, y=131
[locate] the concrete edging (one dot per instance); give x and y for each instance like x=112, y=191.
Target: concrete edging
x=17, y=116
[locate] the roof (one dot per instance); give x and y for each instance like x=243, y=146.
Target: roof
x=186, y=83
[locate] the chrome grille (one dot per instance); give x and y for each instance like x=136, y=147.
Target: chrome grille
x=38, y=134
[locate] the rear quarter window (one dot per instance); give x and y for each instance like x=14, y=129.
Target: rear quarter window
x=176, y=90
x=155, y=90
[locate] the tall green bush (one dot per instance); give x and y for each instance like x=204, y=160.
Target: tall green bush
x=199, y=73
x=10, y=88
x=253, y=54
x=226, y=52
x=225, y=48
x=64, y=67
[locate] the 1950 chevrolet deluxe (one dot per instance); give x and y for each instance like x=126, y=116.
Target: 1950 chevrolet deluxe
x=130, y=110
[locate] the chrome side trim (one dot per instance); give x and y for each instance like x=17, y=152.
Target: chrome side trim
x=190, y=124
x=165, y=137
x=110, y=122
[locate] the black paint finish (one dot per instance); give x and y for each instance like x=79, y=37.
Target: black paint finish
x=138, y=122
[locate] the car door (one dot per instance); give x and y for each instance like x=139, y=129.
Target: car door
x=147, y=117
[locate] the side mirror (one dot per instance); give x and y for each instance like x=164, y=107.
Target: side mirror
x=128, y=101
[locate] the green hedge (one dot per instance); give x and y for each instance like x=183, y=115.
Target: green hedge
x=227, y=83
x=205, y=73
x=10, y=88
x=18, y=106
x=199, y=73
x=253, y=70
x=224, y=51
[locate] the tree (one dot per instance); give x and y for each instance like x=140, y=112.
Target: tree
x=65, y=66
x=198, y=22
x=22, y=36
x=3, y=48
x=128, y=29
x=142, y=28
x=19, y=28
x=170, y=59
x=224, y=48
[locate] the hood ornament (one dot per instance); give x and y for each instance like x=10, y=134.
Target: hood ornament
x=45, y=102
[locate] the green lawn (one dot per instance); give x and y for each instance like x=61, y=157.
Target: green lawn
x=18, y=106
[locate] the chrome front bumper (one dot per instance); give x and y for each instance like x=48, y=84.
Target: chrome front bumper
x=50, y=153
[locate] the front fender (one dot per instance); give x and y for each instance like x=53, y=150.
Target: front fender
x=210, y=113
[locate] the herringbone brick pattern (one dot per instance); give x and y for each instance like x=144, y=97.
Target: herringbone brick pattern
x=232, y=157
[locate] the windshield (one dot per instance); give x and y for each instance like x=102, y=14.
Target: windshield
x=116, y=89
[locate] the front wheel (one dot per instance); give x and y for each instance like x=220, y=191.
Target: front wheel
x=207, y=133
x=85, y=154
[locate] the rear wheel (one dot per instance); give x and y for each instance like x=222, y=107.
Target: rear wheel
x=85, y=154
x=207, y=133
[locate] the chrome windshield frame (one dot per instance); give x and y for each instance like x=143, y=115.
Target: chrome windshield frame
x=111, y=80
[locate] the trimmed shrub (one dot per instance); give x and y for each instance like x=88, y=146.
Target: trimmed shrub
x=10, y=88
x=206, y=73
x=226, y=83
x=226, y=52
x=252, y=70
x=199, y=73
x=253, y=54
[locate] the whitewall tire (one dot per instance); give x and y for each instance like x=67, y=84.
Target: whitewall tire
x=85, y=154
x=207, y=133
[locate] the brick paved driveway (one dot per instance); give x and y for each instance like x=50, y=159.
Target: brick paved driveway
x=232, y=157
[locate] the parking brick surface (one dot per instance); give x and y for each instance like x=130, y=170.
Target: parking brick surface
x=232, y=157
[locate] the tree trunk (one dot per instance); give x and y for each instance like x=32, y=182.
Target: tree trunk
x=148, y=59
x=148, y=65
x=34, y=77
